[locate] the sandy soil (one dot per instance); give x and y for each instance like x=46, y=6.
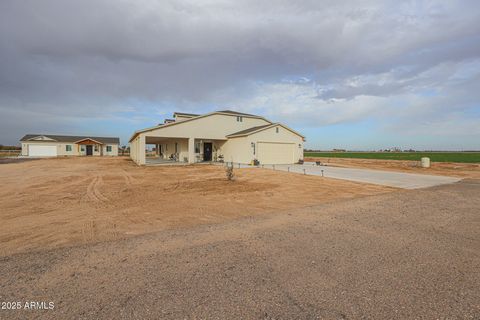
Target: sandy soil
x=59, y=202
x=412, y=254
x=460, y=170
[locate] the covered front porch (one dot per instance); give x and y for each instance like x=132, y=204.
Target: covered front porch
x=170, y=150
x=89, y=147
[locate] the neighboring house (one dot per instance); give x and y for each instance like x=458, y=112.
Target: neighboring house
x=219, y=136
x=47, y=145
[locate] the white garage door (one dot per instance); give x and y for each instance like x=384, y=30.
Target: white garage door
x=275, y=153
x=42, y=151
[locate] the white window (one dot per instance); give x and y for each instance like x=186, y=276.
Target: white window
x=68, y=147
x=239, y=119
x=96, y=148
x=109, y=148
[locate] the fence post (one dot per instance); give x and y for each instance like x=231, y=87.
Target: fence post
x=322, y=173
x=304, y=171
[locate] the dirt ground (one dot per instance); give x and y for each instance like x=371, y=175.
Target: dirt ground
x=411, y=254
x=460, y=170
x=67, y=201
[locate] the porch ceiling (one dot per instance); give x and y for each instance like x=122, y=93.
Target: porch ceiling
x=160, y=140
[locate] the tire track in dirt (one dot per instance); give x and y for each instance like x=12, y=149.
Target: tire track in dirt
x=129, y=180
x=93, y=192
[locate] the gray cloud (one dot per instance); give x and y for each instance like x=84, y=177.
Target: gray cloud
x=64, y=60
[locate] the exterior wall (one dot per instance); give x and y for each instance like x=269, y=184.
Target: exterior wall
x=62, y=149
x=240, y=149
x=137, y=149
x=214, y=127
x=114, y=151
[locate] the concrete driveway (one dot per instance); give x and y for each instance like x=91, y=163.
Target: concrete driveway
x=386, y=178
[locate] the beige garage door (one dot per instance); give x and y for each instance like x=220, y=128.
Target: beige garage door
x=35, y=150
x=275, y=153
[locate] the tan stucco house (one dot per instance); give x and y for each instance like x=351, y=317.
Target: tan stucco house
x=227, y=136
x=47, y=145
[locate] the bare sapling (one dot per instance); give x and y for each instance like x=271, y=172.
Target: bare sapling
x=229, y=172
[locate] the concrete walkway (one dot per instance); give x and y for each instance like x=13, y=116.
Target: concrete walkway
x=386, y=178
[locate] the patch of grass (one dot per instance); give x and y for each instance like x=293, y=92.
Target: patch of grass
x=465, y=157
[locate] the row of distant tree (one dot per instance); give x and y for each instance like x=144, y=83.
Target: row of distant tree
x=385, y=150
x=2, y=147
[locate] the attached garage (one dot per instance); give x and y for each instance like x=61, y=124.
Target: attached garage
x=42, y=150
x=276, y=152
x=269, y=144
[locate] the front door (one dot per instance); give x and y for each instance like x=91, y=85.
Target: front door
x=207, y=151
x=89, y=150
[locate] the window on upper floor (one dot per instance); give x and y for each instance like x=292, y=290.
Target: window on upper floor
x=239, y=119
x=277, y=129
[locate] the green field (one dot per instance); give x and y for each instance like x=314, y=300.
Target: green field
x=466, y=157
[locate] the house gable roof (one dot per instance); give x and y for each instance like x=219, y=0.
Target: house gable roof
x=254, y=130
x=72, y=139
x=225, y=112
x=88, y=141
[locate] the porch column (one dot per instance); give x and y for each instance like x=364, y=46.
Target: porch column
x=141, y=150
x=191, y=150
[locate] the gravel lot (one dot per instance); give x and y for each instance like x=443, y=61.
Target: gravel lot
x=400, y=255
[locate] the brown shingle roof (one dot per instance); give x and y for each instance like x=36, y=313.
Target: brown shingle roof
x=237, y=113
x=247, y=131
x=72, y=139
x=186, y=114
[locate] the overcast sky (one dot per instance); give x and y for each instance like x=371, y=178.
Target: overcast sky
x=347, y=74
